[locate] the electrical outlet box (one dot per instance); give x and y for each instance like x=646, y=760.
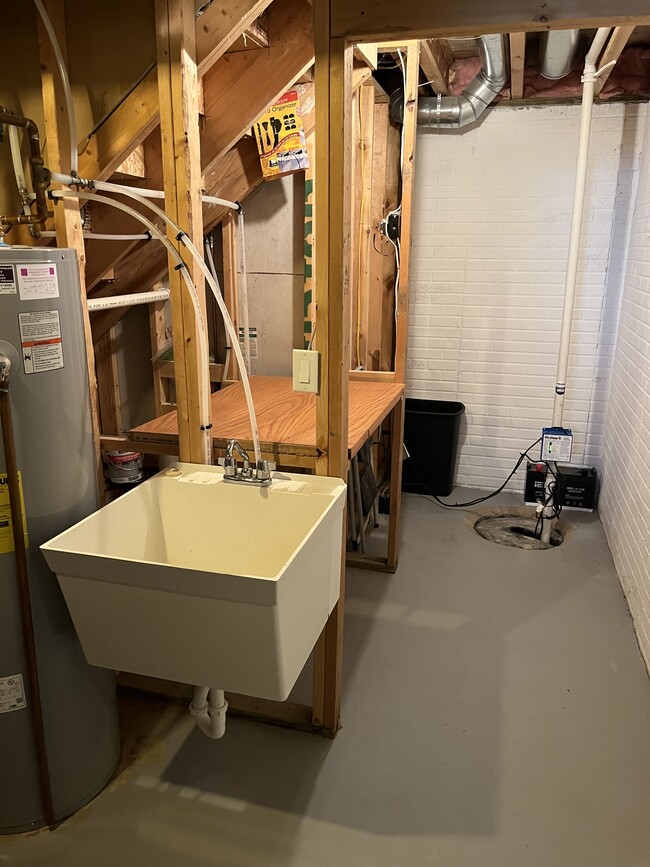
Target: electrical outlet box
x=305, y=370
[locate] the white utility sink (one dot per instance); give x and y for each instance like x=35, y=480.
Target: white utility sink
x=197, y=580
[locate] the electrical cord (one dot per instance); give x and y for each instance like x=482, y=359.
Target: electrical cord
x=477, y=500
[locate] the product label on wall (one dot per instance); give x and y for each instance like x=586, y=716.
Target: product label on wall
x=12, y=693
x=252, y=339
x=40, y=339
x=7, y=280
x=6, y=528
x=36, y=282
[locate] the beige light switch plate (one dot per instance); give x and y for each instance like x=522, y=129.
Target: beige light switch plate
x=305, y=370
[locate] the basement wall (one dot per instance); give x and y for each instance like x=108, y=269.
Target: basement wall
x=625, y=497
x=490, y=236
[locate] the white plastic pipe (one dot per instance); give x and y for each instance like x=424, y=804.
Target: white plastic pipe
x=216, y=291
x=68, y=180
x=98, y=236
x=209, y=708
x=588, y=84
x=589, y=78
x=204, y=382
x=127, y=300
x=19, y=171
x=65, y=81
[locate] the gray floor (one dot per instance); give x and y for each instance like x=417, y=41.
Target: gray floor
x=495, y=715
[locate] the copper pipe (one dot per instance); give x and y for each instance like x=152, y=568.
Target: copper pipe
x=22, y=576
x=39, y=174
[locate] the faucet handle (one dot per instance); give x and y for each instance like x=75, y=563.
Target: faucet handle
x=229, y=465
x=264, y=469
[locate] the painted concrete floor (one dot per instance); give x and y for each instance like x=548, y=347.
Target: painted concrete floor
x=496, y=714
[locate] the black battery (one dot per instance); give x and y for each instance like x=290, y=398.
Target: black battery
x=535, y=481
x=577, y=487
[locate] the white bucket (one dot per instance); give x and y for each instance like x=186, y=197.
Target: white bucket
x=125, y=468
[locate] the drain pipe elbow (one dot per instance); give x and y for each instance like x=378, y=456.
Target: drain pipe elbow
x=209, y=708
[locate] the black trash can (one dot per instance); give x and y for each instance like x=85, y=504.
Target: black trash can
x=431, y=431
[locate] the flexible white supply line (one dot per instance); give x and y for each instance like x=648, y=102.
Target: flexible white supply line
x=19, y=171
x=68, y=180
x=209, y=708
x=97, y=236
x=234, y=337
x=65, y=81
x=112, y=301
x=589, y=77
x=204, y=382
x=243, y=291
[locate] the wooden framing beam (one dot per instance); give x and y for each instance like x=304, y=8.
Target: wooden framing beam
x=517, y=63
x=139, y=114
x=617, y=42
x=376, y=20
x=410, y=138
x=181, y=159
x=437, y=63
x=230, y=238
x=67, y=219
x=333, y=142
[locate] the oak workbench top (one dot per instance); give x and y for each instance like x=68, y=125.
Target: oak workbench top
x=285, y=418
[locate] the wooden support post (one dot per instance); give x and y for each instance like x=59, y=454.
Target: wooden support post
x=437, y=63
x=333, y=141
x=361, y=229
x=181, y=157
x=410, y=136
x=617, y=42
x=158, y=335
x=67, y=220
x=230, y=237
x=517, y=63
x=396, y=457
x=110, y=408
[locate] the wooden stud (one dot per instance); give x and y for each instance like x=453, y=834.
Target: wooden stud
x=158, y=333
x=377, y=21
x=333, y=142
x=436, y=62
x=410, y=137
x=110, y=405
x=517, y=63
x=67, y=219
x=179, y=127
x=617, y=42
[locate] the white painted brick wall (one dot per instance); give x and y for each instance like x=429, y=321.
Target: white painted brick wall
x=490, y=237
x=625, y=497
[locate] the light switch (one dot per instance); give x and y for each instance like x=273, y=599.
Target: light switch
x=305, y=370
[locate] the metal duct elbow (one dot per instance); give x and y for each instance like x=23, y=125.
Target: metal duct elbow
x=556, y=52
x=457, y=111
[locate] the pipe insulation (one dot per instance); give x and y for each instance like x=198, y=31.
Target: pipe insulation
x=442, y=112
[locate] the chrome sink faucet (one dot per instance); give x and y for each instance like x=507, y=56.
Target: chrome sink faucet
x=232, y=472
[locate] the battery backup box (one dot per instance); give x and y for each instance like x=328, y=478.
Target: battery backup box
x=576, y=487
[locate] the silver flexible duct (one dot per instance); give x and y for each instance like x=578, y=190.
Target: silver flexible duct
x=456, y=111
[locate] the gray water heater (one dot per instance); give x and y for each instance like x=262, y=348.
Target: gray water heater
x=41, y=331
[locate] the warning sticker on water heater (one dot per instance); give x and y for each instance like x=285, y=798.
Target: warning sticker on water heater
x=7, y=280
x=40, y=339
x=12, y=693
x=36, y=282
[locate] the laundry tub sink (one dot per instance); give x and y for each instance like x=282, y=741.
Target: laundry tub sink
x=197, y=580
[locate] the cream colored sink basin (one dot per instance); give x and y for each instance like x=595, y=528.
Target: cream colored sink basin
x=193, y=579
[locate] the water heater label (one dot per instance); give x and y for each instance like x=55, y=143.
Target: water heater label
x=36, y=282
x=7, y=280
x=12, y=693
x=6, y=528
x=40, y=339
